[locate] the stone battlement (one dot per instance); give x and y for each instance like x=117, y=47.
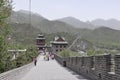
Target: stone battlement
x=94, y=67
x=16, y=74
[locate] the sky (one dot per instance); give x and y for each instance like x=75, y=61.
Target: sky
x=83, y=10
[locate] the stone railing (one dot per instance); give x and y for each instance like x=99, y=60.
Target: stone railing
x=94, y=67
x=61, y=60
x=16, y=74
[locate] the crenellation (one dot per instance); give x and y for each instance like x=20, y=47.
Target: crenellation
x=96, y=67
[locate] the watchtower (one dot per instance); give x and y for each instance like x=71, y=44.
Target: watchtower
x=59, y=44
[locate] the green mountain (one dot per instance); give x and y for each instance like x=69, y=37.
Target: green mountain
x=77, y=23
x=47, y=26
x=23, y=33
x=111, y=23
x=26, y=35
x=23, y=16
x=104, y=37
x=40, y=22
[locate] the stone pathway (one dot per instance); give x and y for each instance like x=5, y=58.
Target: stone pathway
x=51, y=70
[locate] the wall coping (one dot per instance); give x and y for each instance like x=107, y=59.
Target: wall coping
x=111, y=72
x=13, y=72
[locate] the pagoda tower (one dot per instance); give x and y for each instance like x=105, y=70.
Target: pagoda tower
x=40, y=42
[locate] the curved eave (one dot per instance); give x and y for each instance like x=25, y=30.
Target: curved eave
x=59, y=43
x=41, y=38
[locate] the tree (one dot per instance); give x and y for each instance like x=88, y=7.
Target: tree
x=68, y=53
x=93, y=52
x=5, y=12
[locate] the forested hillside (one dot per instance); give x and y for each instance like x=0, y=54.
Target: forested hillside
x=104, y=37
x=39, y=22
x=24, y=33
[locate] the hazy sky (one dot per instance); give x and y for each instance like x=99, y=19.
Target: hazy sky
x=82, y=9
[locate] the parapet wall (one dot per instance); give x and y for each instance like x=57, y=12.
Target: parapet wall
x=95, y=68
x=16, y=74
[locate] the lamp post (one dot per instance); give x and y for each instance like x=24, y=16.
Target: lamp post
x=30, y=12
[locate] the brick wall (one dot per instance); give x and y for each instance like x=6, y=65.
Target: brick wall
x=16, y=74
x=95, y=68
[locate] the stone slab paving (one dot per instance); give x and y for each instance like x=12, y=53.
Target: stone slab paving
x=51, y=70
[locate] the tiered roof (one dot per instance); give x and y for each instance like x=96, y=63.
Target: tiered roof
x=40, y=36
x=59, y=40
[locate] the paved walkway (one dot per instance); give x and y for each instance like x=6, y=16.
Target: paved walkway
x=50, y=70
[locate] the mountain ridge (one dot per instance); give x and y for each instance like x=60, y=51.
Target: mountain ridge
x=23, y=31
x=22, y=16
x=111, y=23
x=77, y=23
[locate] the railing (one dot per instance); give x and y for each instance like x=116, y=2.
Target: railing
x=16, y=74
